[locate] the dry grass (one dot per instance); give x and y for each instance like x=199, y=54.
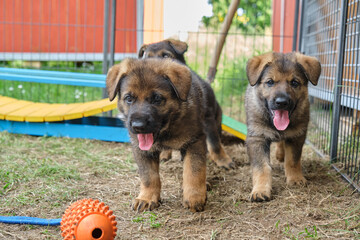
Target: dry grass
x=41, y=177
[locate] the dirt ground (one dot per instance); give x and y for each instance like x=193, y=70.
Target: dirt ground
x=326, y=208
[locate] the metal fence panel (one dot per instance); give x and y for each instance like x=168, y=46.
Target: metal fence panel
x=330, y=32
x=230, y=80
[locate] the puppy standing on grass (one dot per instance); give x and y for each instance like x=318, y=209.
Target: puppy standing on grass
x=169, y=48
x=175, y=49
x=277, y=110
x=165, y=106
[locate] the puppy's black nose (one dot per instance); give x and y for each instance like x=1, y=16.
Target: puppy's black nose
x=282, y=102
x=138, y=125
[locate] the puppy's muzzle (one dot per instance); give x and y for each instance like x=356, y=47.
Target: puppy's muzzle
x=142, y=123
x=281, y=102
x=138, y=125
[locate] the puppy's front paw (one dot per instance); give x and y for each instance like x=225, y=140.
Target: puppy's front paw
x=196, y=202
x=226, y=163
x=296, y=180
x=260, y=194
x=261, y=184
x=223, y=160
x=141, y=205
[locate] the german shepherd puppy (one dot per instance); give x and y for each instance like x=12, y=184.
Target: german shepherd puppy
x=277, y=110
x=175, y=49
x=168, y=48
x=166, y=106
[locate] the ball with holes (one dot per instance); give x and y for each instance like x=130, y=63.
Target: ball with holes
x=88, y=219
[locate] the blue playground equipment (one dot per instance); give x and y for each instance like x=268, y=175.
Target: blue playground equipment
x=75, y=120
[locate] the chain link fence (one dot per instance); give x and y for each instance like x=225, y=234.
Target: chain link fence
x=330, y=31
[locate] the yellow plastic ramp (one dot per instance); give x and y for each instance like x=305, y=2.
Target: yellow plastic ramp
x=12, y=106
x=20, y=110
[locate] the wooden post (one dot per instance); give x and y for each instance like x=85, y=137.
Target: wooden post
x=221, y=40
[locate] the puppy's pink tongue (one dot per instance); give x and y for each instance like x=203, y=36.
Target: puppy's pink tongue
x=281, y=119
x=145, y=141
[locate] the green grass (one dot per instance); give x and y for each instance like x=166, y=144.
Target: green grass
x=149, y=219
x=85, y=67
x=229, y=86
x=213, y=235
x=41, y=176
x=35, y=177
x=348, y=218
x=309, y=234
x=287, y=232
x=231, y=80
x=45, y=169
x=50, y=93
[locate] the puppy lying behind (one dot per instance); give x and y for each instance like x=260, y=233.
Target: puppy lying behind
x=277, y=110
x=168, y=48
x=166, y=106
x=175, y=49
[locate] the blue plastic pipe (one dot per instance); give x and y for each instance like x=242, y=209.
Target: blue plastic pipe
x=29, y=220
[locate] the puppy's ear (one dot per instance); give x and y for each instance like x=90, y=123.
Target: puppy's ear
x=142, y=50
x=256, y=66
x=114, y=76
x=179, y=76
x=311, y=67
x=179, y=46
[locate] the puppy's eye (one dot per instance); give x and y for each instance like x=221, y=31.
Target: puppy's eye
x=166, y=55
x=294, y=83
x=157, y=99
x=270, y=82
x=129, y=99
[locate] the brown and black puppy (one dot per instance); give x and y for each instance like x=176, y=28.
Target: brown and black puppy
x=277, y=110
x=168, y=48
x=165, y=106
x=175, y=49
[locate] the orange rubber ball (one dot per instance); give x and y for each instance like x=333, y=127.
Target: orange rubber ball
x=88, y=219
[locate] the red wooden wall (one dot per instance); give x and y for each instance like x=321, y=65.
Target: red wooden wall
x=64, y=26
x=288, y=25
